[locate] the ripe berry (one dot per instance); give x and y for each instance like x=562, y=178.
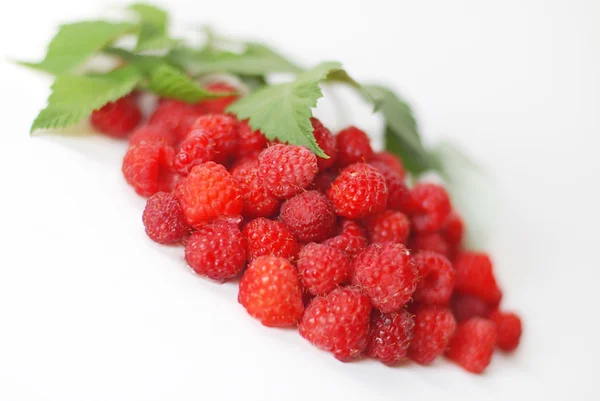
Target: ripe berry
x=433, y=207
x=222, y=130
x=437, y=279
x=270, y=237
x=208, y=193
x=434, y=326
x=217, y=105
x=323, y=181
x=309, y=216
x=148, y=168
x=399, y=197
x=359, y=191
x=338, y=322
x=390, y=335
x=217, y=251
x=472, y=345
x=465, y=307
x=353, y=146
x=153, y=133
x=388, y=226
x=322, y=268
x=391, y=161
x=387, y=274
x=509, y=330
x=351, y=238
x=453, y=229
x=475, y=276
x=287, y=169
x=326, y=142
x=196, y=148
x=175, y=115
x=271, y=293
x=163, y=219
x=118, y=118
x=257, y=201
x=433, y=242
x=249, y=141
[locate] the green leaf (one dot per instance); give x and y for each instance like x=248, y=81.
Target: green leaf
x=75, y=43
x=283, y=111
x=153, y=28
x=168, y=81
x=74, y=97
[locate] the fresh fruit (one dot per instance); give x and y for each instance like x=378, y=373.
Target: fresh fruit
x=148, y=168
x=309, y=216
x=270, y=237
x=286, y=169
x=322, y=268
x=353, y=146
x=436, y=278
x=326, y=142
x=351, y=238
x=465, y=307
x=118, y=118
x=163, y=219
x=434, y=326
x=197, y=148
x=359, y=191
x=390, y=335
x=475, y=276
x=222, y=130
x=509, y=330
x=388, y=226
x=432, y=207
x=257, y=201
x=472, y=345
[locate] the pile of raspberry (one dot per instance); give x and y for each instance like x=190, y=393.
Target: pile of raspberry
x=340, y=247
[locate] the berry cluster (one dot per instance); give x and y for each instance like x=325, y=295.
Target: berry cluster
x=340, y=247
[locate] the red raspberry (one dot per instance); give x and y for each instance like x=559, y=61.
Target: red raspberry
x=147, y=167
x=323, y=181
x=391, y=160
x=338, y=322
x=249, y=141
x=387, y=274
x=287, y=169
x=509, y=329
x=271, y=293
x=390, y=335
x=208, y=193
x=153, y=133
x=475, y=276
x=472, y=345
x=163, y=219
x=399, y=197
x=432, y=242
x=353, y=146
x=322, y=268
x=118, y=118
x=196, y=148
x=434, y=326
x=217, y=251
x=309, y=215
x=351, y=239
x=453, y=229
x=388, y=226
x=174, y=115
x=217, y=105
x=465, y=307
x=270, y=237
x=437, y=279
x=257, y=201
x=433, y=207
x=326, y=142
x=359, y=191
x=223, y=131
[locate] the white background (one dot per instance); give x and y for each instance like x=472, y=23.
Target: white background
x=90, y=309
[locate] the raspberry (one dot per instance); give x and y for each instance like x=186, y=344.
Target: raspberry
x=433, y=242
x=287, y=169
x=433, y=207
x=437, y=279
x=391, y=161
x=208, y=193
x=475, y=276
x=271, y=293
x=387, y=274
x=434, y=326
x=473, y=343
x=249, y=141
x=147, y=167
x=453, y=229
x=352, y=238
x=338, y=322
x=118, y=118
x=326, y=142
x=399, y=197
x=163, y=219
x=359, y=191
x=323, y=181
x=217, y=105
x=465, y=307
x=223, y=131
x=509, y=329
x=217, y=251
x=153, y=133
x=390, y=335
x=196, y=148
x=174, y=115
x=269, y=237
x=353, y=146
x=388, y=226
x=309, y=215
x=257, y=201
x=322, y=268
